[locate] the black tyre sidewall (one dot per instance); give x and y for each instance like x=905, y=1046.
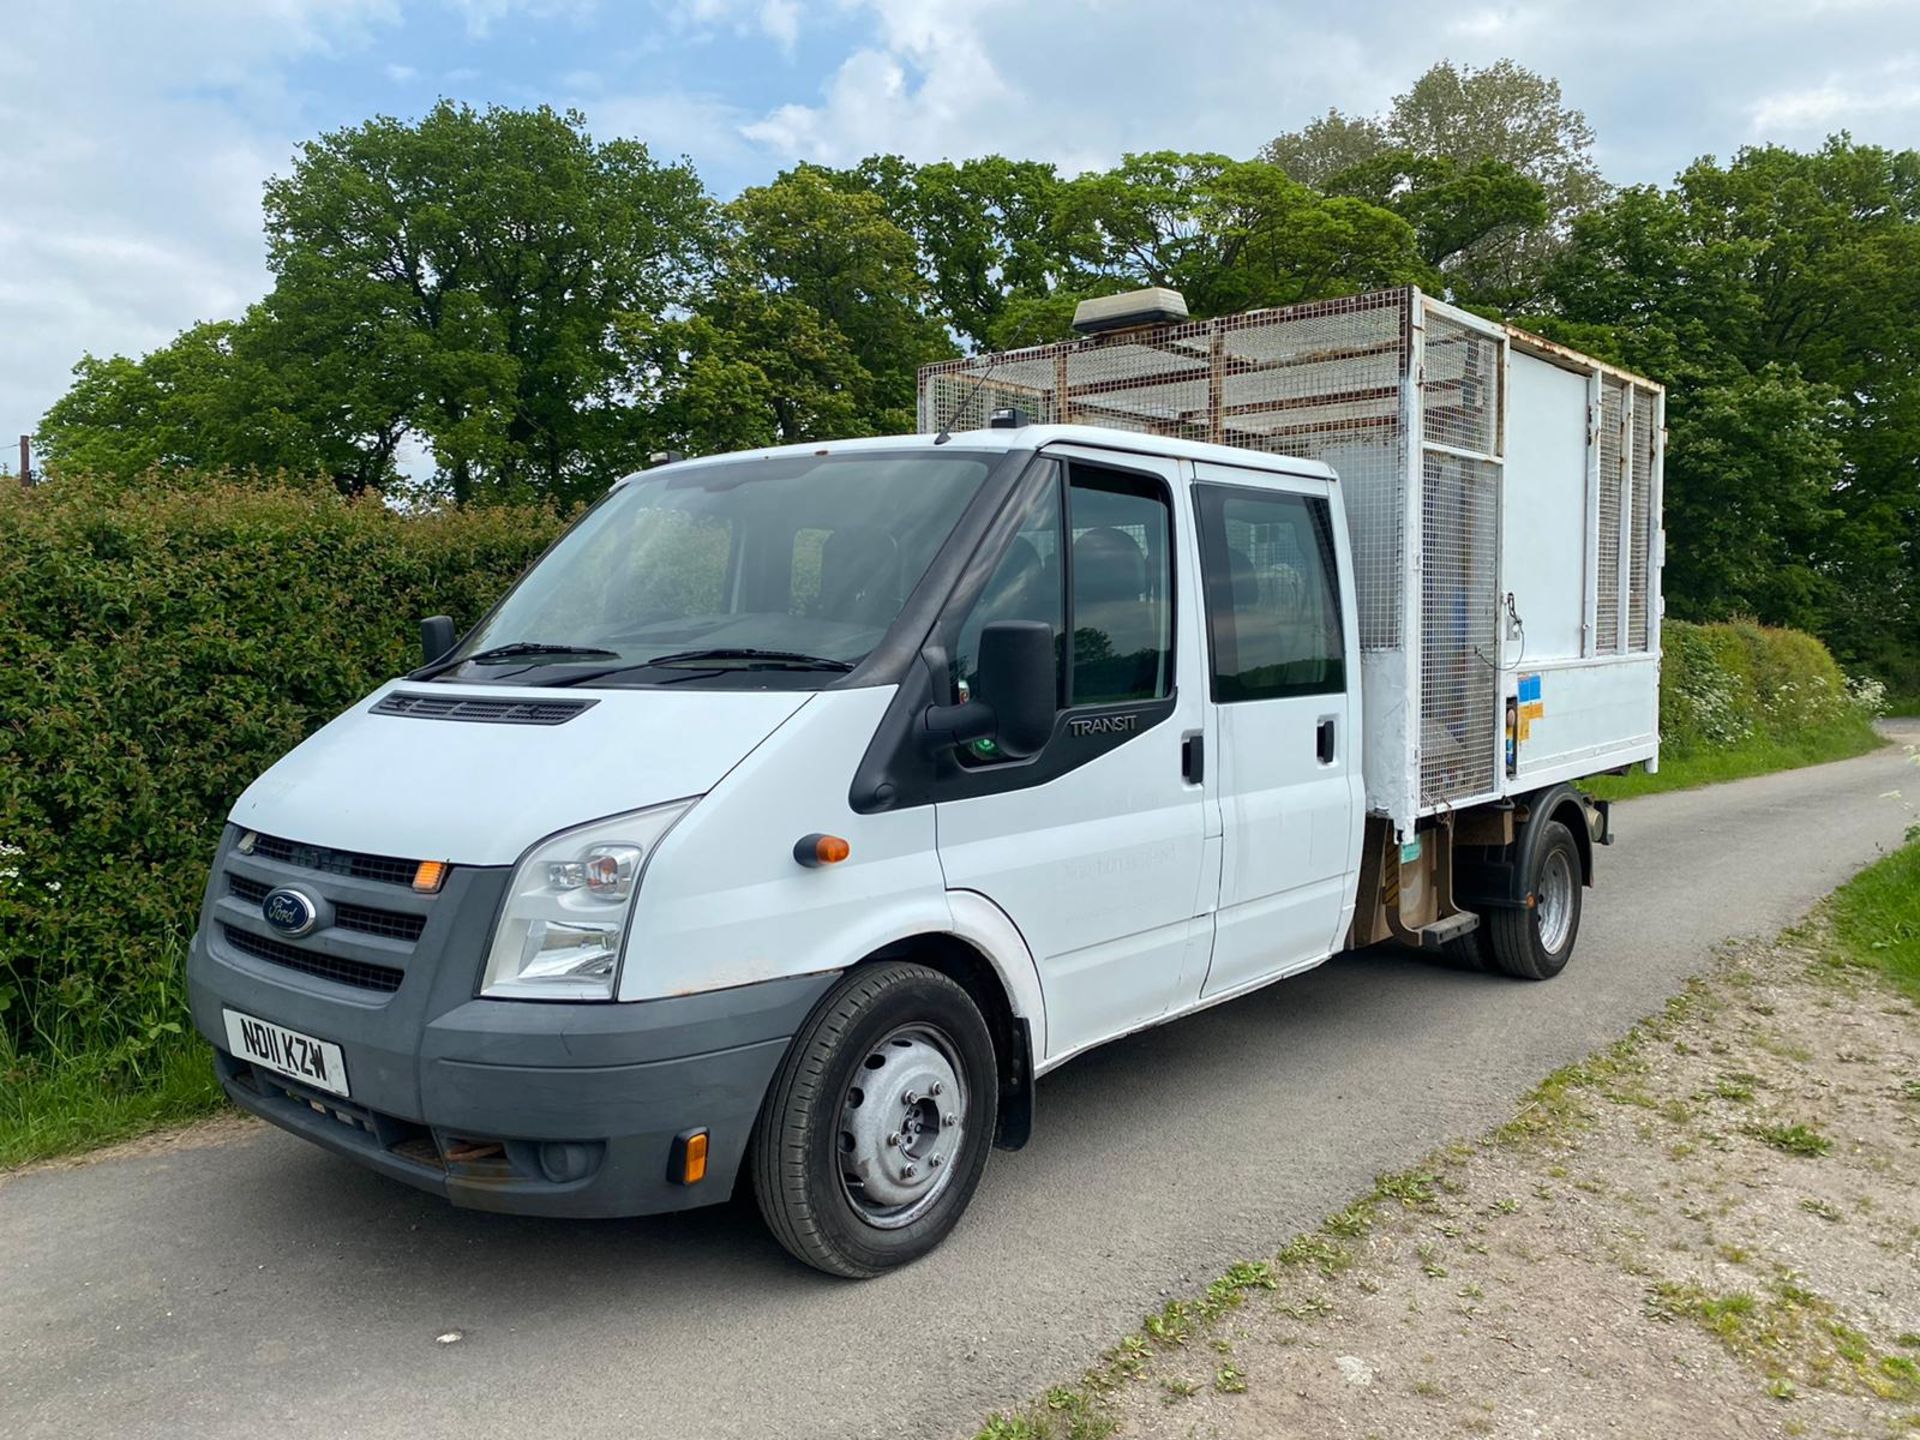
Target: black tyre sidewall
x=1549, y=963
x=841, y=1241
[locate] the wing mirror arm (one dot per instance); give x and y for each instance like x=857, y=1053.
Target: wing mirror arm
x=1017, y=679
x=944, y=727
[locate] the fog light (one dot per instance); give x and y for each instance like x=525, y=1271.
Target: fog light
x=563, y=1161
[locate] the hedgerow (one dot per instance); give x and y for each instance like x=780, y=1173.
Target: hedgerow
x=1723, y=686
x=160, y=645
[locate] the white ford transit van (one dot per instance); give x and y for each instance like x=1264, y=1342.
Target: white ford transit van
x=798, y=808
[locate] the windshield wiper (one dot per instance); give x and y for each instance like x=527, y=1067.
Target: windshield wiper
x=766, y=660
x=799, y=660
x=517, y=650
x=535, y=647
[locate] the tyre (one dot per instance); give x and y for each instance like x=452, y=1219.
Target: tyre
x=1473, y=948
x=1534, y=943
x=876, y=1128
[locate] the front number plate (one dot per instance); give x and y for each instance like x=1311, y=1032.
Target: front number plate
x=319, y=1063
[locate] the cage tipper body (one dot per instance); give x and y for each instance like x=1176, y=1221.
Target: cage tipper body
x=1502, y=495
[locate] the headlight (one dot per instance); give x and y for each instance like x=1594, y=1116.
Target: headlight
x=565, y=921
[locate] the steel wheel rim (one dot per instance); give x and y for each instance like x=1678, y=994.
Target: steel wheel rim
x=903, y=1125
x=1554, y=909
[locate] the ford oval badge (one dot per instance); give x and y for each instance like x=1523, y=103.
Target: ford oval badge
x=290, y=912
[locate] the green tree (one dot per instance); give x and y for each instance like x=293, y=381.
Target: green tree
x=489, y=283
x=1326, y=146
x=1778, y=296
x=465, y=278
x=1229, y=234
x=212, y=399
x=1492, y=123
x=848, y=275
x=987, y=231
x=1452, y=207
x=753, y=369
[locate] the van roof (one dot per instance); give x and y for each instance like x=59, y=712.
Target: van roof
x=1032, y=437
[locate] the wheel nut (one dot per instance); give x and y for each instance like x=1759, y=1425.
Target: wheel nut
x=934, y=1088
x=950, y=1119
x=933, y=1162
x=912, y=1097
x=893, y=1139
x=908, y=1172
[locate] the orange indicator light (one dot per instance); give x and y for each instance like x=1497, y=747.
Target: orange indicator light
x=429, y=876
x=816, y=850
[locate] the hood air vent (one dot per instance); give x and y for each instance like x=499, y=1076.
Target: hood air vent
x=491, y=710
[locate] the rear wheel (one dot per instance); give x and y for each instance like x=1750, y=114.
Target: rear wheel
x=877, y=1126
x=1534, y=943
x=1473, y=948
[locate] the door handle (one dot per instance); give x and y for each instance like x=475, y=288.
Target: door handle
x=1323, y=741
x=1193, y=757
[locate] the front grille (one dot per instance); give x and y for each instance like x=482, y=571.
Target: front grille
x=390, y=924
x=369, y=921
x=357, y=973
x=382, y=868
x=487, y=710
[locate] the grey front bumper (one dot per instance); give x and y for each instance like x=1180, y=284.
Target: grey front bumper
x=520, y=1106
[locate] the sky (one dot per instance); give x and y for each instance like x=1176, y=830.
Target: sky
x=135, y=136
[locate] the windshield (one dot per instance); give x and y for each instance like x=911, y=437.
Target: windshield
x=790, y=563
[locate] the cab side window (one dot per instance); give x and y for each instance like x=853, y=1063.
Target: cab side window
x=1107, y=592
x=1026, y=585
x=1272, y=594
x=1122, y=587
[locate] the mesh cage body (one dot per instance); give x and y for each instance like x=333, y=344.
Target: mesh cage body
x=1607, y=607
x=1403, y=397
x=1640, y=538
x=1322, y=381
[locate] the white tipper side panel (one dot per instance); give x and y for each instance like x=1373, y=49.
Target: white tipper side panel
x=723, y=902
x=480, y=794
x=1543, y=522
x=1583, y=710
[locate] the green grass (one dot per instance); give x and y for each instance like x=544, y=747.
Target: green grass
x=71, y=1106
x=1876, y=918
x=1755, y=757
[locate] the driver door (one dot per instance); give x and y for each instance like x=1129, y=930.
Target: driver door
x=1096, y=847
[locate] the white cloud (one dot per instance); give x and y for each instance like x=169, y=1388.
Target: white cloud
x=482, y=15
x=780, y=21
x=401, y=74
x=1840, y=100
x=136, y=144
x=673, y=124
x=775, y=20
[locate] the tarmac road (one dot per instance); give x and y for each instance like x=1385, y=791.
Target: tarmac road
x=262, y=1287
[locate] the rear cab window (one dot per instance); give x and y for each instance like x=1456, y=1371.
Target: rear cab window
x=1272, y=594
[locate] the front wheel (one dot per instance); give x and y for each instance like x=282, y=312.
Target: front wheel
x=877, y=1126
x=1535, y=943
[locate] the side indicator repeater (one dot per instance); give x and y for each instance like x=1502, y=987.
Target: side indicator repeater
x=429, y=875
x=816, y=850
x=687, y=1162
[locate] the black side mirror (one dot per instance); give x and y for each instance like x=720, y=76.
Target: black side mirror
x=436, y=638
x=1016, y=693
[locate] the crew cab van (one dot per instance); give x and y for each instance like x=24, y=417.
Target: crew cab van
x=799, y=808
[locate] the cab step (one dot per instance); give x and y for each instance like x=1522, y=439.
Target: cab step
x=1436, y=935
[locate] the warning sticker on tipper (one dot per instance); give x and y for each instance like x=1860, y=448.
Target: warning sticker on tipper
x=1532, y=707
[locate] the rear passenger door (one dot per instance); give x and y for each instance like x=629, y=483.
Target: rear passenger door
x=1287, y=776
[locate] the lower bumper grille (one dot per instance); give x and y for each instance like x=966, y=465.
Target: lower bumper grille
x=358, y=973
